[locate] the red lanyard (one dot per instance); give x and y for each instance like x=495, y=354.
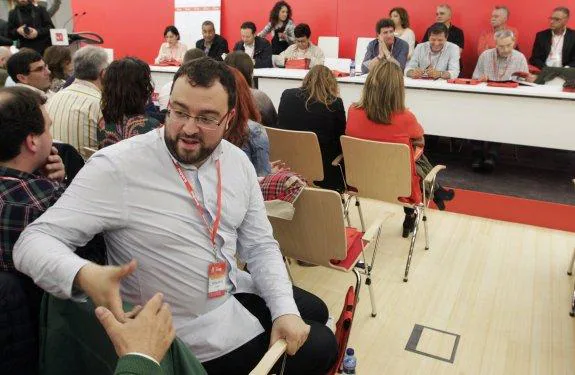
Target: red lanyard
x=431, y=65
x=212, y=229
x=499, y=77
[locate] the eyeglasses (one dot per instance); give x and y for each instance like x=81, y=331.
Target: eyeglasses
x=204, y=122
x=556, y=19
x=39, y=69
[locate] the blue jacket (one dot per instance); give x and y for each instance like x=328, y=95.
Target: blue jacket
x=399, y=51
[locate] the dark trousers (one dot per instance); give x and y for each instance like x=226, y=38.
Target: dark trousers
x=491, y=147
x=316, y=356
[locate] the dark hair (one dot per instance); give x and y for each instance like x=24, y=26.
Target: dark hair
x=562, y=9
x=20, y=116
x=204, y=72
x=208, y=23
x=438, y=28
x=302, y=30
x=192, y=54
x=249, y=25
x=127, y=89
x=242, y=62
x=57, y=57
x=19, y=63
x=382, y=23
x=275, y=12
x=403, y=16
x=172, y=29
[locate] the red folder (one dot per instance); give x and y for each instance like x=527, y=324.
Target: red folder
x=297, y=64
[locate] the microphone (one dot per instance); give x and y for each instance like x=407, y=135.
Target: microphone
x=74, y=16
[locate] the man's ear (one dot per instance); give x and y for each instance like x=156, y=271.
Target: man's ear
x=31, y=143
x=22, y=78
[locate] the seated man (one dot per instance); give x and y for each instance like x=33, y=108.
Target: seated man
x=436, y=58
x=555, y=46
x=27, y=69
x=185, y=204
x=213, y=45
x=259, y=49
x=497, y=64
x=303, y=48
x=454, y=34
x=385, y=46
x=164, y=96
x=499, y=17
x=4, y=56
x=30, y=176
x=75, y=110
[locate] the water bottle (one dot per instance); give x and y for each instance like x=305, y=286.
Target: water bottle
x=349, y=362
x=352, y=69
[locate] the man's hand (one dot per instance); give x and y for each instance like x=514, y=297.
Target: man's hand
x=150, y=333
x=415, y=73
x=291, y=328
x=20, y=31
x=433, y=73
x=102, y=284
x=54, y=168
x=383, y=50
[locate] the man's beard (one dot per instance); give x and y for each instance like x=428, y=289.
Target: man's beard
x=188, y=157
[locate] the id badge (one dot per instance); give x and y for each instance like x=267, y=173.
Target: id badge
x=217, y=279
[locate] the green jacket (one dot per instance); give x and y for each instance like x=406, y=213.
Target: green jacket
x=72, y=341
x=136, y=365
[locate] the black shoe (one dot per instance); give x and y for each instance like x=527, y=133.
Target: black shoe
x=444, y=194
x=408, y=224
x=477, y=165
x=439, y=203
x=489, y=164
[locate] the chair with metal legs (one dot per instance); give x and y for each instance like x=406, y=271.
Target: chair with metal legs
x=383, y=171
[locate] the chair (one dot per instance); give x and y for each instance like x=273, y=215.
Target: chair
x=360, y=50
x=317, y=234
x=304, y=159
x=73, y=341
x=329, y=45
x=570, y=272
x=383, y=171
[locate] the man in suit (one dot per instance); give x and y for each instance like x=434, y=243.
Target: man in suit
x=212, y=44
x=454, y=33
x=555, y=47
x=385, y=47
x=259, y=49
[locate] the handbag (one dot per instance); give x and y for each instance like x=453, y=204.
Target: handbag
x=297, y=64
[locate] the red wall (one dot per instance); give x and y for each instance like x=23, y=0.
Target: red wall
x=135, y=27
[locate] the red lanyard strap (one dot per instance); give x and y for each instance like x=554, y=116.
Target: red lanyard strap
x=212, y=229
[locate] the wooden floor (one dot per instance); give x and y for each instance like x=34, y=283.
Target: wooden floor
x=501, y=286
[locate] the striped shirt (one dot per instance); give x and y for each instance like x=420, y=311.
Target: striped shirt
x=497, y=68
x=75, y=112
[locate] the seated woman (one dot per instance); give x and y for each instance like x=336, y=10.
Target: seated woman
x=172, y=50
x=400, y=18
x=127, y=90
x=59, y=61
x=281, y=26
x=317, y=107
x=244, y=63
x=381, y=115
x=245, y=131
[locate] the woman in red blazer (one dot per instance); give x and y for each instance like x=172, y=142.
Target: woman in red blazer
x=381, y=115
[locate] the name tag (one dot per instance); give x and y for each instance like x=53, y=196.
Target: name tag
x=217, y=279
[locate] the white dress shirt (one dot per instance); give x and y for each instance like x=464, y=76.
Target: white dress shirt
x=555, y=57
x=249, y=49
x=132, y=192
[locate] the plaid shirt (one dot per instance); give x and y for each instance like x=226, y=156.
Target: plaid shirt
x=23, y=198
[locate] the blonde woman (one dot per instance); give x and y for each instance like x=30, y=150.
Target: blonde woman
x=381, y=115
x=317, y=107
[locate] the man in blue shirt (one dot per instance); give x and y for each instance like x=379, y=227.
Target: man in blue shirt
x=385, y=46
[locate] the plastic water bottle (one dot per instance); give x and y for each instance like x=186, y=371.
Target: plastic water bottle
x=349, y=362
x=352, y=69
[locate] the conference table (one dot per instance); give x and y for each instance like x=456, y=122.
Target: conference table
x=538, y=116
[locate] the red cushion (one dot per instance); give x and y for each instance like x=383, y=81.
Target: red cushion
x=354, y=247
x=343, y=328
